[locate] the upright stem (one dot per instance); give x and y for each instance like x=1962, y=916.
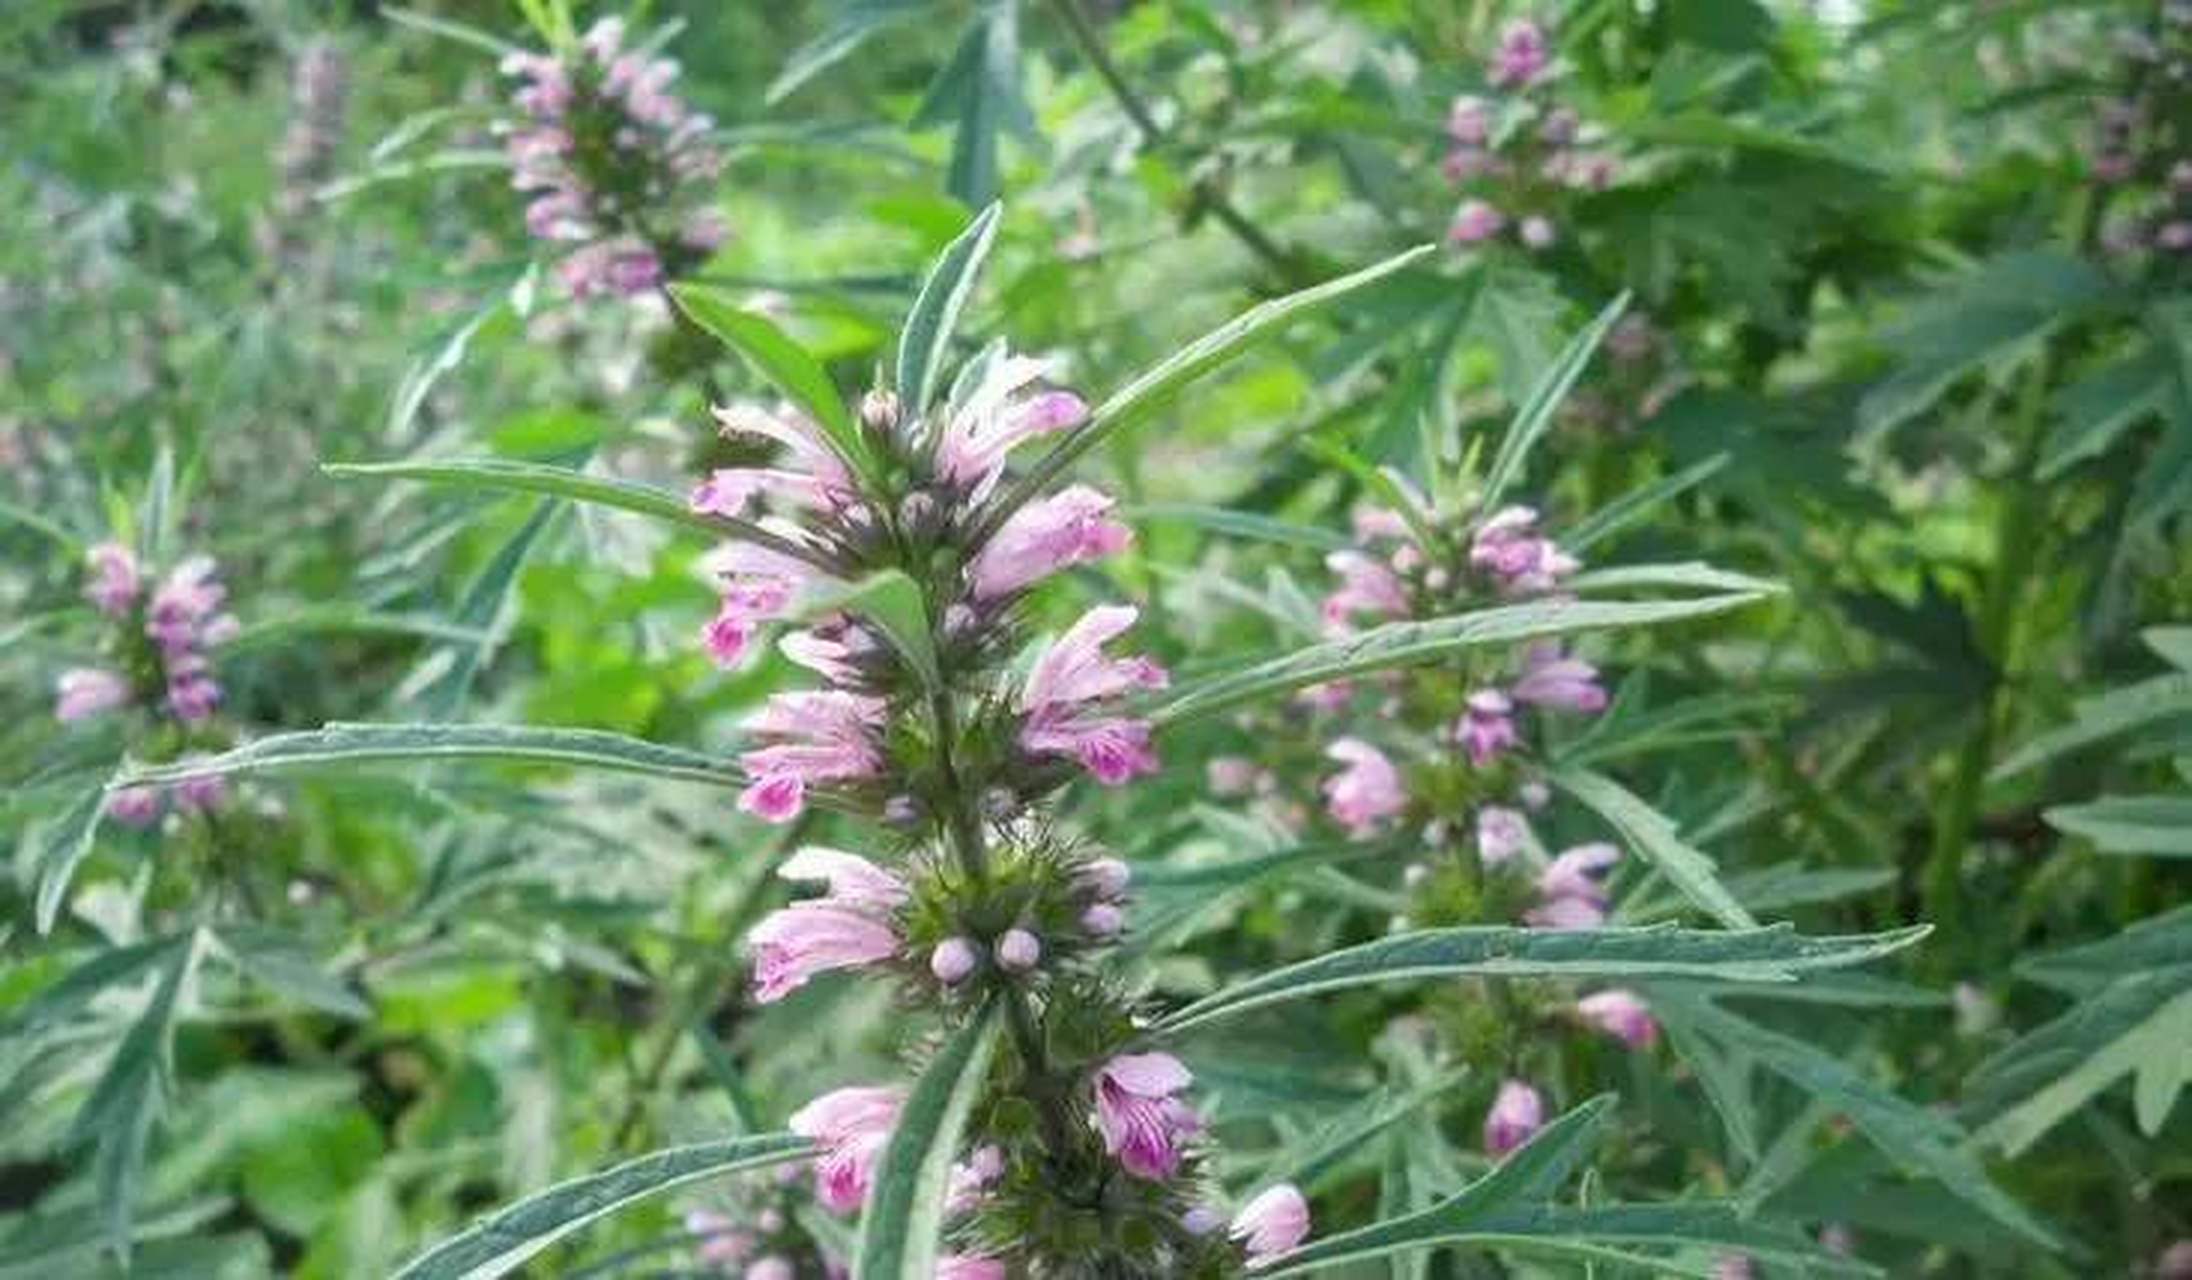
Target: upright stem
x=1091, y=44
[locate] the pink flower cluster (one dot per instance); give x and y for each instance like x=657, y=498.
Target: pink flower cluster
x=1520, y=152
x=612, y=155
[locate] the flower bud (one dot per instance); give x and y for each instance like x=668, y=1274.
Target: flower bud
x=879, y=411
x=1018, y=951
x=953, y=960
x=1201, y=1220
x=1103, y=920
x=901, y=811
x=1109, y=877
x=917, y=514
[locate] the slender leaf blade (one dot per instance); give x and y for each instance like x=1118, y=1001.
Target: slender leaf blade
x=925, y=340
x=904, y=1214
x=342, y=744
x=1654, y=836
x=784, y=363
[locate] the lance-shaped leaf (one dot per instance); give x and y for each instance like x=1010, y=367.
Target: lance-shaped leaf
x=347, y=744
x=892, y=601
x=783, y=363
x=1154, y=389
x=2160, y=825
x=904, y=1216
x=1686, y=576
x=75, y=991
x=1536, y=414
x=1654, y=837
x=64, y=844
x=506, y=476
x=284, y=962
x=944, y=293
x=2105, y=716
x=1399, y=644
x=1776, y=953
x=500, y=1243
x=119, y=1115
x=1637, y=503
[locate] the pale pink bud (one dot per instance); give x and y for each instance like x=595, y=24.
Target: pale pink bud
x=1103, y=920
x=1622, y=1015
x=1275, y=1222
x=952, y=960
x=1018, y=951
x=134, y=806
x=1552, y=679
x=1517, y=1114
x=1231, y=775
x=1537, y=231
x=1068, y=528
x=1522, y=56
x=1501, y=834
x=1475, y=222
x=960, y=1266
x=1487, y=728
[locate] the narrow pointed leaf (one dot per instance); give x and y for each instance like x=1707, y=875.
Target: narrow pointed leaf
x=343, y=744
x=1536, y=414
x=1775, y=953
x=891, y=601
x=1155, y=388
x=926, y=338
x=124, y=1104
x=284, y=962
x=1634, y=505
x=502, y=1242
x=904, y=1217
x=64, y=845
x=1654, y=837
x=1404, y=643
x=782, y=362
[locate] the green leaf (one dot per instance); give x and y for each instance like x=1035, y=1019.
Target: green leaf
x=1774, y=953
x=344, y=744
x=1688, y=575
x=448, y=674
x=75, y=991
x=1398, y=644
x=2109, y=715
x=783, y=363
x=501, y=1242
x=1536, y=415
x=2172, y=645
x=72, y=545
x=1637, y=503
x=345, y=619
x=1242, y=524
x=904, y=1216
x=2139, y=1025
x=1156, y=387
x=925, y=340
x=1518, y=314
x=2001, y=311
x=893, y=602
x=861, y=21
x=503, y=475
x=2098, y=408
x=1653, y=835
x=2152, y=824
x=284, y=962
x=119, y=1114
x=979, y=92
x=420, y=378
x=63, y=847
x=1532, y=1172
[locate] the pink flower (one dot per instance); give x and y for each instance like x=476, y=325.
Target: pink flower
x=961, y=1266
x=1571, y=888
x=202, y=794
x=1367, y=585
x=1550, y=679
x=1141, y=1122
x=1537, y=231
x=818, y=736
x=82, y=692
x=622, y=267
x=1469, y=121
x=1509, y=549
x=1567, y=913
x=1069, y=684
x=1734, y=1266
x=1275, y=1222
x=186, y=605
x=1487, y=728
x=757, y=585
x=832, y=651
x=1368, y=791
x=813, y=474
x=1372, y=523
x=994, y=418
x=1465, y=164
x=1069, y=527
x=972, y=1176
x=953, y=960
x=1622, y=1015
x=852, y=879
x=773, y=1267
x=1475, y=222
x=1517, y=1114
x=851, y=1126
x=1501, y=834
x=794, y=944
x=134, y=806
x=115, y=579
x=192, y=693
x=1522, y=55
x=721, y=1241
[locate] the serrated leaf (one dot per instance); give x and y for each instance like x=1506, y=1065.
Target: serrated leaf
x=2159, y=825
x=63, y=847
x=285, y=963
x=926, y=338
x=347, y=744
x=2139, y=1024
x=1775, y=953
x=1398, y=644
x=503, y=1241
x=893, y=602
x=1546, y=394
x=1156, y=387
x=903, y=1219
x=2106, y=716
x=785, y=364
x=505, y=476
x=1653, y=836
x=76, y=989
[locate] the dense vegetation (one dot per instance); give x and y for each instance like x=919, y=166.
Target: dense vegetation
x=1096, y=638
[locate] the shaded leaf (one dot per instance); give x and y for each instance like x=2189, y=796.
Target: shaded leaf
x=904, y=1216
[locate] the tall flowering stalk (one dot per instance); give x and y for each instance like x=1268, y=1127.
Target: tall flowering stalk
x=156, y=666
x=1517, y=151
x=617, y=169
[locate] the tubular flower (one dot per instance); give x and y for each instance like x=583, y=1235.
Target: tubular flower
x=1275, y=1222
x=1516, y=1115
x=1367, y=792
x=1622, y=1015
x=1142, y=1123
x=1551, y=679
x=814, y=476
x=1367, y=585
x=851, y=1126
x=1508, y=548
x=1475, y=222
x=1063, y=699
x=818, y=736
x=848, y=927
x=83, y=692
x=1571, y=889
x=134, y=806
x=994, y=418
x=116, y=579
x=1487, y=728
x=601, y=138
x=1067, y=528
x=961, y=1266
